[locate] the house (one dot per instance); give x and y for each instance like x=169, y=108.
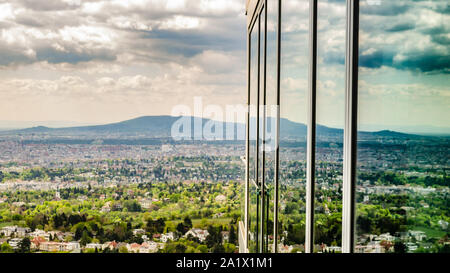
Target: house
x=201, y=234
x=167, y=236
x=411, y=247
x=443, y=224
x=53, y=246
x=417, y=234
x=385, y=237
x=14, y=242
x=145, y=248
x=40, y=233
x=106, y=208
x=111, y=245
x=134, y=247
x=221, y=198
x=138, y=231
x=150, y=247
x=333, y=249
x=8, y=231
x=36, y=242
x=284, y=248
x=22, y=232
x=225, y=236
x=94, y=246
x=72, y=246
x=374, y=247
x=57, y=234
x=145, y=203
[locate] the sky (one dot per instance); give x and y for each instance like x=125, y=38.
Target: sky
x=69, y=62
x=404, y=64
x=106, y=61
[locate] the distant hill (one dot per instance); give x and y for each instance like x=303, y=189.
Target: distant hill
x=148, y=126
x=160, y=127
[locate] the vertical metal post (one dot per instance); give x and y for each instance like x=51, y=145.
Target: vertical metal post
x=350, y=129
x=277, y=144
x=258, y=22
x=263, y=109
x=247, y=142
x=311, y=137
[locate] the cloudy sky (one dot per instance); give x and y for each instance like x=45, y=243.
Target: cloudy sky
x=103, y=61
x=94, y=61
x=404, y=75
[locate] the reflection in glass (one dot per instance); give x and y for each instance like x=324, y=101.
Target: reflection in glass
x=252, y=223
x=404, y=94
x=271, y=119
x=293, y=113
x=253, y=219
x=262, y=113
x=330, y=124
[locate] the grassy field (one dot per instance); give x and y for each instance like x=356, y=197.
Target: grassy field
x=5, y=224
x=209, y=221
x=433, y=233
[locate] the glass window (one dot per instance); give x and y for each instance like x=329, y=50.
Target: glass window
x=253, y=100
x=262, y=124
x=252, y=221
x=330, y=106
x=293, y=114
x=271, y=118
x=403, y=121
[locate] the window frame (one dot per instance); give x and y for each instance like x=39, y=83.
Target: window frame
x=253, y=9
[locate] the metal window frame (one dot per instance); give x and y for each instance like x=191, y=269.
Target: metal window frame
x=251, y=22
x=350, y=129
x=311, y=127
x=254, y=8
x=262, y=156
x=277, y=136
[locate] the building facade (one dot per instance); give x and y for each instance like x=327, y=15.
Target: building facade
x=326, y=81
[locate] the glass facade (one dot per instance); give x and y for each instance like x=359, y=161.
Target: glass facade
x=293, y=113
x=348, y=126
x=402, y=184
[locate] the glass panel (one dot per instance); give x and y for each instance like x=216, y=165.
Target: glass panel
x=253, y=191
x=261, y=99
x=293, y=114
x=271, y=117
x=253, y=219
x=403, y=147
x=253, y=100
x=330, y=113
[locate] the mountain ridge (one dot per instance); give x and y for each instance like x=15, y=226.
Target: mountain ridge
x=160, y=126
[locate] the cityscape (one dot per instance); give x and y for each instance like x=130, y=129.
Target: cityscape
x=224, y=126
x=71, y=194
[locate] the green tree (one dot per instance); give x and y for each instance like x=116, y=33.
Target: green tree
x=85, y=239
x=399, y=247
x=233, y=238
x=6, y=248
x=24, y=245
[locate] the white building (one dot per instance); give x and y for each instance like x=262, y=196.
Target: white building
x=14, y=243
x=138, y=231
x=201, y=234
x=94, y=246
x=417, y=234
x=167, y=236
